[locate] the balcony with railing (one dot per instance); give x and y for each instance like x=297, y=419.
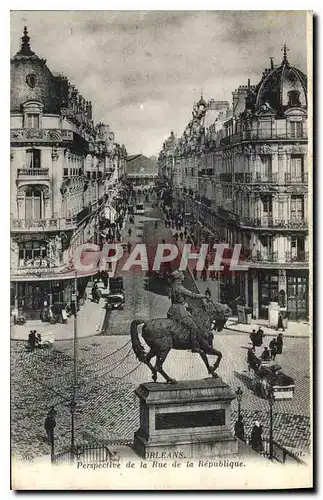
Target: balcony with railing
x=262, y=134
x=225, y=177
x=32, y=172
x=300, y=256
x=256, y=178
x=55, y=224
x=264, y=256
x=296, y=179
x=270, y=222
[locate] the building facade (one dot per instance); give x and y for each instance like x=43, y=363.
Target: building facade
x=63, y=171
x=141, y=171
x=245, y=179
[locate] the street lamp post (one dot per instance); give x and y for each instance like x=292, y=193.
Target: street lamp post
x=270, y=398
x=75, y=374
x=239, y=393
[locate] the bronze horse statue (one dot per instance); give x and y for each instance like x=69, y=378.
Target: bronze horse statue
x=164, y=334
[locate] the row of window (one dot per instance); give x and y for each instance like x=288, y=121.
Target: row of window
x=296, y=167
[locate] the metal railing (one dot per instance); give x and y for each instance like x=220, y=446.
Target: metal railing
x=43, y=224
x=268, y=134
x=86, y=454
x=280, y=453
x=264, y=256
x=275, y=223
x=296, y=179
x=299, y=257
x=225, y=177
x=256, y=178
x=33, y=172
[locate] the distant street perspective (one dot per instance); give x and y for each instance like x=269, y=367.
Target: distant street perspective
x=160, y=302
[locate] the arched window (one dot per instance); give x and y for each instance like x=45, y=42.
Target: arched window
x=34, y=204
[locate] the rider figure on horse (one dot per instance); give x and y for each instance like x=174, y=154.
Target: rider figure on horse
x=178, y=294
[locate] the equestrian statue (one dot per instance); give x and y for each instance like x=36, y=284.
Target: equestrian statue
x=184, y=328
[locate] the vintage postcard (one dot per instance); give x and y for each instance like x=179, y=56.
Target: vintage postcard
x=161, y=280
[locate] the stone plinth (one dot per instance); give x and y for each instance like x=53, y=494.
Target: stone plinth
x=192, y=416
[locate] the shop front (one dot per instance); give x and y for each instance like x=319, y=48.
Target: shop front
x=289, y=288
x=297, y=294
x=30, y=297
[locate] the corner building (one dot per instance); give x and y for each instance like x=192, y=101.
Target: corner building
x=245, y=178
x=63, y=171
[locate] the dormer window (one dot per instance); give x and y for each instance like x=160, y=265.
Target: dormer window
x=32, y=120
x=32, y=111
x=296, y=129
x=293, y=96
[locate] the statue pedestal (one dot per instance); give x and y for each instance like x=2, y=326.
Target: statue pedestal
x=192, y=417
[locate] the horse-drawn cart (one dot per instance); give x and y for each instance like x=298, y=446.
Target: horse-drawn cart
x=269, y=376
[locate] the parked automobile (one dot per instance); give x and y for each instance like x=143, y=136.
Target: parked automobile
x=116, y=297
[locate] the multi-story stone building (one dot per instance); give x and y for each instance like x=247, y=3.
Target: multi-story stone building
x=63, y=168
x=251, y=169
x=141, y=172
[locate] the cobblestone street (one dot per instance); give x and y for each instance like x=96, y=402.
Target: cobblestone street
x=108, y=410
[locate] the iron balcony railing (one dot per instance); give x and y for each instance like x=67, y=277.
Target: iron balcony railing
x=33, y=172
x=256, y=178
x=296, y=179
x=263, y=222
x=43, y=224
x=300, y=256
x=264, y=256
x=225, y=177
x=260, y=134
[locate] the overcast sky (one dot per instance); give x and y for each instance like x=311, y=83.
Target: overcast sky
x=143, y=70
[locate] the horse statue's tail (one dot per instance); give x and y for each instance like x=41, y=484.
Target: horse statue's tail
x=136, y=344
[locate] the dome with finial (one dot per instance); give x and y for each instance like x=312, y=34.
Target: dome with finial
x=201, y=102
x=31, y=80
x=282, y=87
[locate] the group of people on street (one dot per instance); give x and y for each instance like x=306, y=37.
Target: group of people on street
x=256, y=439
x=269, y=353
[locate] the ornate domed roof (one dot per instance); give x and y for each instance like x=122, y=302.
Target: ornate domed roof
x=201, y=102
x=282, y=87
x=31, y=80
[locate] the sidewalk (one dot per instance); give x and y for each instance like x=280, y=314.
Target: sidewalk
x=89, y=322
x=90, y=318
x=295, y=328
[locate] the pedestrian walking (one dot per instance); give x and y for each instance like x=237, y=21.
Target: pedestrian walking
x=185, y=232
x=280, y=343
x=256, y=437
x=212, y=275
x=253, y=338
x=239, y=429
x=50, y=424
x=273, y=348
x=129, y=246
x=265, y=354
x=208, y=293
x=204, y=274
x=129, y=232
x=181, y=236
x=176, y=237
x=280, y=325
